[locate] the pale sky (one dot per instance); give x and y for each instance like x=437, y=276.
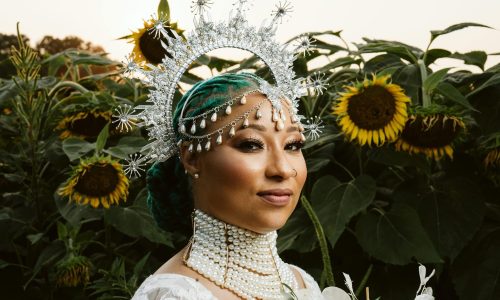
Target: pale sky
x=103, y=21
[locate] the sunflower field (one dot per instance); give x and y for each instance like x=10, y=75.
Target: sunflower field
x=403, y=169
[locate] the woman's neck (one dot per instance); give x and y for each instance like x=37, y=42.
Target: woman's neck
x=240, y=260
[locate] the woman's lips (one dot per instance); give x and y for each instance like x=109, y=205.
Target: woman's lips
x=277, y=197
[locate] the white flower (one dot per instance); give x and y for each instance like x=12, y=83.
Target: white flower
x=334, y=293
x=426, y=294
x=348, y=283
x=423, y=292
x=329, y=293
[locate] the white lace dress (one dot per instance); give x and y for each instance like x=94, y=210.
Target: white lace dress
x=179, y=287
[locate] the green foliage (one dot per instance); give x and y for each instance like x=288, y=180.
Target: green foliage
x=370, y=212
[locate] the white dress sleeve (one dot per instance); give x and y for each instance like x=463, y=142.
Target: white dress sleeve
x=169, y=286
x=172, y=287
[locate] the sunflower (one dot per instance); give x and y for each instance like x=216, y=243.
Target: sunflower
x=147, y=41
x=492, y=159
x=84, y=124
x=492, y=164
x=372, y=111
x=98, y=180
x=431, y=135
x=73, y=271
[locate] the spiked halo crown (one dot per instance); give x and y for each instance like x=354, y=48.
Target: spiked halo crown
x=156, y=114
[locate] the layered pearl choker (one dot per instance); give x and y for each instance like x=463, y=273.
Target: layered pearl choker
x=242, y=261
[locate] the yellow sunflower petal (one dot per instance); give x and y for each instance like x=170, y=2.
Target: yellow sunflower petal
x=375, y=137
x=381, y=136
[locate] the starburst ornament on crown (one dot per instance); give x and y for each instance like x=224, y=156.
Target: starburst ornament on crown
x=313, y=128
x=157, y=113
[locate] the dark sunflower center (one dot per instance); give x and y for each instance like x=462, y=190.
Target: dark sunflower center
x=90, y=126
x=151, y=47
x=99, y=181
x=440, y=134
x=373, y=108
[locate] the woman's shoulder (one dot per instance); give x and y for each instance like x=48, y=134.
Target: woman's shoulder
x=311, y=286
x=172, y=286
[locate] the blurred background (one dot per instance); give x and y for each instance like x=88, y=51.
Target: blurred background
x=102, y=22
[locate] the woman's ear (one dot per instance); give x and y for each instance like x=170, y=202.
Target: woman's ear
x=190, y=160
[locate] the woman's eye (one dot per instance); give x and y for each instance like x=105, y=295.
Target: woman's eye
x=250, y=145
x=295, y=146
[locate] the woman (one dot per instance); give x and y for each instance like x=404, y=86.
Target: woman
x=247, y=171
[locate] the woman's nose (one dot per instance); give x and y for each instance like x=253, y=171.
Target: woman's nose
x=278, y=165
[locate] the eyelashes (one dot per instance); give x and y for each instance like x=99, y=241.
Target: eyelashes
x=250, y=145
x=295, y=145
x=254, y=145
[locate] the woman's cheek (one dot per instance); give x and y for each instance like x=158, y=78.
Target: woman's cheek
x=234, y=167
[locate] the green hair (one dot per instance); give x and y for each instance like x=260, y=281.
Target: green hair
x=169, y=197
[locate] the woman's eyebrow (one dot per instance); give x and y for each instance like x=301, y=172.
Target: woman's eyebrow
x=256, y=126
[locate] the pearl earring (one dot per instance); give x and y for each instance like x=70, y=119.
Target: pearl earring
x=196, y=175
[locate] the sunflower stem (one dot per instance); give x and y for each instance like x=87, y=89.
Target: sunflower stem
x=426, y=99
x=323, y=245
x=362, y=285
x=343, y=167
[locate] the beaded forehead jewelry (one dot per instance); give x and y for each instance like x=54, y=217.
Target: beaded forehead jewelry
x=156, y=114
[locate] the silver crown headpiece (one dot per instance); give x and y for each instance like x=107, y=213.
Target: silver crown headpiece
x=156, y=114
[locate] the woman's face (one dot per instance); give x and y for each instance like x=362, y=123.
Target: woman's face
x=254, y=179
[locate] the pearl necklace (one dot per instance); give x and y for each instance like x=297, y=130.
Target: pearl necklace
x=240, y=260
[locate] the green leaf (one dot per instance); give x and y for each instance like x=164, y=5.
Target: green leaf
x=140, y=265
x=434, y=54
x=76, y=214
x=3, y=264
x=493, y=69
x=136, y=221
x=396, y=236
x=451, y=212
x=127, y=145
x=409, y=78
x=190, y=78
x=339, y=62
x=86, y=58
x=62, y=231
x=391, y=157
x=48, y=256
x=453, y=94
x=101, y=139
x=34, y=238
x=332, y=48
x=315, y=164
x=476, y=272
x=475, y=58
x=336, y=203
x=494, y=80
x=434, y=79
x=75, y=148
x=220, y=64
x=452, y=28
x=163, y=10
x=100, y=76
x=382, y=62
x=297, y=234
x=401, y=50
